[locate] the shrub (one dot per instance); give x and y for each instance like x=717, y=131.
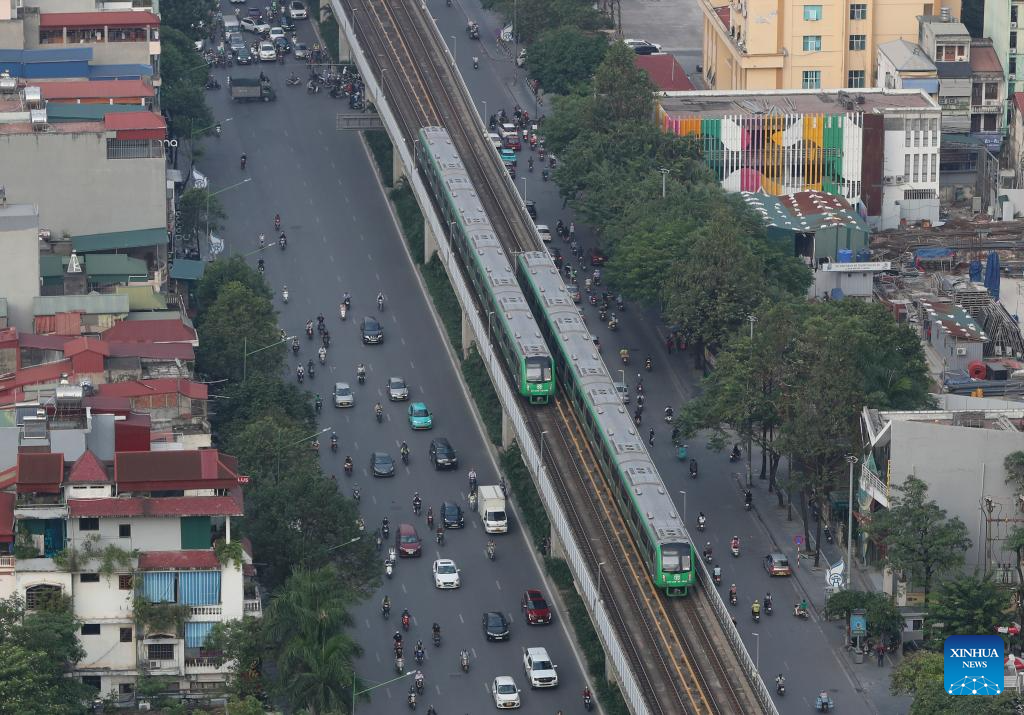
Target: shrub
x=527, y=499
x=383, y=153
x=410, y=218
x=475, y=373
x=445, y=301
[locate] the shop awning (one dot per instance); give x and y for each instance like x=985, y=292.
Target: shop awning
x=186, y=270
x=120, y=240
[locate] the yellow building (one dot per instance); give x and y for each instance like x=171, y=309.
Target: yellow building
x=810, y=44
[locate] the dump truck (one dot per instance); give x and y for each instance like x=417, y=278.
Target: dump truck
x=251, y=89
x=492, y=509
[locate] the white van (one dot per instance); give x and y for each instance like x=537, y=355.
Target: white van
x=231, y=25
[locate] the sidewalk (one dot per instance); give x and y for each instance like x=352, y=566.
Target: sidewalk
x=869, y=679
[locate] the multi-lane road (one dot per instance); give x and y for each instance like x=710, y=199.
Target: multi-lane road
x=341, y=237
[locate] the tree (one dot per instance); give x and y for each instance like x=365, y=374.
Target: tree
x=185, y=16
x=263, y=395
x=247, y=706
x=624, y=91
x=920, y=541
x=183, y=73
x=1014, y=465
x=565, y=56
x=966, y=606
x=222, y=271
x=239, y=321
x=533, y=17
x=308, y=626
x=921, y=675
x=243, y=643
x=201, y=214
x=883, y=618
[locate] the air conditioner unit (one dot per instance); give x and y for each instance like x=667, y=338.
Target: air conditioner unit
x=156, y=664
x=900, y=179
x=1012, y=24
x=888, y=180
x=961, y=351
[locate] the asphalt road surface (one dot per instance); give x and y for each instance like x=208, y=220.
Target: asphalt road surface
x=799, y=649
x=341, y=237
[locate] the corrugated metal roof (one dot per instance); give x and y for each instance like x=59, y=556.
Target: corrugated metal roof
x=7, y=517
x=100, y=89
x=165, y=506
x=62, y=54
x=99, y=18
x=666, y=73
x=91, y=304
x=114, y=267
x=134, y=120
x=120, y=239
x=127, y=71
x=906, y=56
x=178, y=560
x=142, y=297
x=984, y=59
x=146, y=331
x=186, y=270
x=40, y=472
x=74, y=112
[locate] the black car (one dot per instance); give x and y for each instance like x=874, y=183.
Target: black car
x=243, y=56
x=495, y=626
x=371, y=331
x=285, y=23
x=382, y=464
x=531, y=208
x=556, y=255
x=451, y=515
x=442, y=454
x=282, y=46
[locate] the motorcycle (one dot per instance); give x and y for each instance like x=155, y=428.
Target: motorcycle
x=648, y=364
x=748, y=501
x=613, y=324
x=464, y=661
x=732, y=599
x=693, y=469
x=734, y=456
x=588, y=701
x=437, y=639
x=361, y=376
x=405, y=456
x=389, y=568
x=385, y=529
x=282, y=242
x=756, y=615
x=355, y=493
x=380, y=416
x=420, y=655
x=801, y=612
x=491, y=551
x=343, y=311
x=311, y=370
x=405, y=621
x=419, y=684
x=734, y=547
x=768, y=607
x=828, y=533
x=780, y=688
x=334, y=443
x=716, y=575
x=412, y=700
x=700, y=524
x=284, y=295
x=348, y=470
x=476, y=63
x=385, y=610
x=277, y=223
x=309, y=330
x=322, y=354
x=545, y=175
x=293, y=81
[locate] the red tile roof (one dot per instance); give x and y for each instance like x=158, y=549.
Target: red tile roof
x=42, y=342
x=667, y=74
x=117, y=18
x=88, y=468
x=157, y=507
x=177, y=560
x=81, y=345
x=100, y=89
x=162, y=386
x=12, y=390
x=40, y=472
x=1018, y=100
x=155, y=351
x=133, y=120
x=984, y=59
x=151, y=331
x=9, y=477
x=6, y=517
x=194, y=469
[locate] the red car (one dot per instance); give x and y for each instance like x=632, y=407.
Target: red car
x=535, y=608
x=596, y=257
x=408, y=541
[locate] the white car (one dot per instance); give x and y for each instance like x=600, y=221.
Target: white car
x=268, y=53
x=297, y=10
x=254, y=26
x=276, y=32
x=446, y=574
x=545, y=233
x=495, y=140
x=505, y=692
x=633, y=44
x=540, y=671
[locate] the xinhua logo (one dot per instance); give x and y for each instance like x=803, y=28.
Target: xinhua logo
x=973, y=665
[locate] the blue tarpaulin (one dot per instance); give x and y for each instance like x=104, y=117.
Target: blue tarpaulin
x=196, y=633
x=992, y=274
x=932, y=253
x=975, y=271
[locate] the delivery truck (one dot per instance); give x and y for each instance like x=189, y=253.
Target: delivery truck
x=251, y=89
x=492, y=509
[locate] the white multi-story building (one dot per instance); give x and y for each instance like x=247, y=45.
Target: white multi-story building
x=138, y=543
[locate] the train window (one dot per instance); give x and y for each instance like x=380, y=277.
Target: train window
x=672, y=558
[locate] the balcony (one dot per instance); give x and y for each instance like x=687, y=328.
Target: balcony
x=204, y=664
x=6, y=565
x=874, y=486
x=211, y=610
x=253, y=607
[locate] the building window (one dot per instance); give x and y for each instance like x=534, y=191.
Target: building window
x=935, y=167
x=950, y=53
x=858, y=42
x=906, y=166
x=991, y=90
x=93, y=681
x=88, y=578
x=1013, y=18
x=125, y=688
x=135, y=149
x=90, y=629
x=812, y=13
x=811, y=79
x=124, y=581
x=124, y=531
x=89, y=524
x=858, y=11
x=39, y=596
x=126, y=635
x=1013, y=40
x=161, y=651
x=812, y=43
x=855, y=79
x=917, y=167
x=918, y=194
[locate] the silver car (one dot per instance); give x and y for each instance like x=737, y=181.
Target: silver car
x=343, y=396
x=398, y=390
x=623, y=390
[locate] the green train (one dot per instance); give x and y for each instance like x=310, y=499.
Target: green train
x=513, y=326
x=641, y=494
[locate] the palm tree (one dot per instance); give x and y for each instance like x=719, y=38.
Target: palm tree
x=306, y=624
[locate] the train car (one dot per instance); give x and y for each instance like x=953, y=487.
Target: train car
x=509, y=317
x=641, y=494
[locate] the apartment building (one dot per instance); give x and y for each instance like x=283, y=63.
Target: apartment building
x=876, y=148
x=781, y=44
x=142, y=544
x=1002, y=18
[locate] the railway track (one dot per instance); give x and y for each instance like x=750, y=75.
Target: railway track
x=423, y=93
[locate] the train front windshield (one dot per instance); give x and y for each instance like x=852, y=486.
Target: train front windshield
x=538, y=369
x=675, y=558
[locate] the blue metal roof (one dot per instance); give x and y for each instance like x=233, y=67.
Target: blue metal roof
x=67, y=54
x=98, y=72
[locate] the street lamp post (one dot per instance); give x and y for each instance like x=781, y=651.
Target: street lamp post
x=356, y=693
x=851, y=460
x=350, y=541
x=524, y=189
x=750, y=434
x=210, y=194
x=664, y=173
x=292, y=444
x=598, y=598
x=455, y=49
x=246, y=353
x=757, y=651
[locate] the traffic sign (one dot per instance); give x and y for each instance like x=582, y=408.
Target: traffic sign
x=834, y=575
x=858, y=623
x=798, y=540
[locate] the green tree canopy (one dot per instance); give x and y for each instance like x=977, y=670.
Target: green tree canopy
x=263, y=396
x=533, y=17
x=1014, y=465
x=182, y=96
x=239, y=322
x=565, y=56
x=624, y=92
x=920, y=540
x=921, y=675
x=883, y=617
x=201, y=214
x=243, y=642
x=228, y=270
x=967, y=605
x=185, y=16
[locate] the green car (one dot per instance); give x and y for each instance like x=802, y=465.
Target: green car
x=509, y=157
x=419, y=416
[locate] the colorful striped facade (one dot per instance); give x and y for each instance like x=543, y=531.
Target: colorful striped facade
x=779, y=153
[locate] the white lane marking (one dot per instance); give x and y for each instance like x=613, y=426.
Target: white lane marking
x=498, y=584
x=461, y=619
x=403, y=341
x=332, y=261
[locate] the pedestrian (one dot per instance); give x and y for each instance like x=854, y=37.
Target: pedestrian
x=640, y=400
x=880, y=652
x=650, y=437
x=668, y=344
x=572, y=229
